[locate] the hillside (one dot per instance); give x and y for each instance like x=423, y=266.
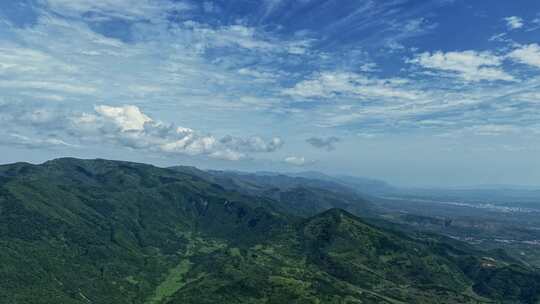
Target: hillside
x=97, y=231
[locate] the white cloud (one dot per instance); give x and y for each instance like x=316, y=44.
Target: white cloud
x=47, y=86
x=531, y=97
x=228, y=154
x=252, y=144
x=259, y=75
x=63, y=60
x=239, y=35
x=36, y=143
x=492, y=129
x=186, y=143
x=489, y=130
x=14, y=59
x=453, y=106
x=128, y=126
x=527, y=54
x=335, y=84
x=26, y=71
x=469, y=65
x=173, y=67
x=122, y=127
x=128, y=118
x=366, y=135
x=501, y=37
x=124, y=9
x=514, y=22
x=295, y=161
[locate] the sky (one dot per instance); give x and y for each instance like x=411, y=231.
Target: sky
x=417, y=93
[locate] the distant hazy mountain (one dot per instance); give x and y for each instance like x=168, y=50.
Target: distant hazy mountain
x=360, y=184
x=302, y=196
x=95, y=231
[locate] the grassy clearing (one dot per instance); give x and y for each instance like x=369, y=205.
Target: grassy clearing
x=172, y=283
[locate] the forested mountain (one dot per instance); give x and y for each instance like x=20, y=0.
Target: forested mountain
x=98, y=231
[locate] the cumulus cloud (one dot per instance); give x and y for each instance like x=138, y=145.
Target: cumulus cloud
x=323, y=143
x=334, y=84
x=514, y=22
x=527, y=54
x=128, y=117
x=469, y=65
x=123, y=126
x=128, y=126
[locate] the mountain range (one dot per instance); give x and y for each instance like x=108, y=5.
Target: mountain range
x=97, y=231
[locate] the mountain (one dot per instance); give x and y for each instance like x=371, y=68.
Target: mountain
x=96, y=231
x=361, y=185
x=367, y=185
x=296, y=195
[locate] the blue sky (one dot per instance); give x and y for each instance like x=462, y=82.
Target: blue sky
x=442, y=92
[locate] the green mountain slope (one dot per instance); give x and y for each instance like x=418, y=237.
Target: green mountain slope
x=96, y=231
